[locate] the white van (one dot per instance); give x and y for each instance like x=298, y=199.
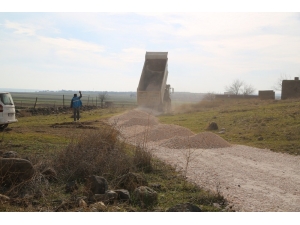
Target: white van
x=7, y=110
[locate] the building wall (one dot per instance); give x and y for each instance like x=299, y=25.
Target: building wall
x=264, y=95
x=290, y=89
x=236, y=96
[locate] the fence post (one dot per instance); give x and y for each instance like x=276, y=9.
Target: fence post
x=96, y=101
x=88, y=100
x=63, y=101
x=35, y=103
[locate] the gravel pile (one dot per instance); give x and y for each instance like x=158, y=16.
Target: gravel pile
x=140, y=121
x=138, y=126
x=164, y=131
x=202, y=140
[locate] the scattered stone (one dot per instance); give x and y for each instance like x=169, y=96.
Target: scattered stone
x=108, y=197
x=222, y=131
x=14, y=171
x=123, y=195
x=82, y=203
x=130, y=181
x=50, y=174
x=98, y=207
x=212, y=126
x=260, y=138
x=145, y=196
x=185, y=207
x=96, y=184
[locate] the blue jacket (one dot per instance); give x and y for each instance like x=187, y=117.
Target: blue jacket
x=76, y=102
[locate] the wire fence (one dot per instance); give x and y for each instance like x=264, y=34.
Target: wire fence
x=38, y=100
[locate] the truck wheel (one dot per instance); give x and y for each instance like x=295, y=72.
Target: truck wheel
x=3, y=126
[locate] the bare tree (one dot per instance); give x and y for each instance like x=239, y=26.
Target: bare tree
x=235, y=87
x=210, y=96
x=278, y=84
x=240, y=87
x=248, y=89
x=103, y=96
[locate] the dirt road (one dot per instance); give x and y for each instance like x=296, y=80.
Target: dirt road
x=251, y=179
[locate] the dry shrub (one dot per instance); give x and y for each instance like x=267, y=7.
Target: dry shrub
x=142, y=159
x=93, y=153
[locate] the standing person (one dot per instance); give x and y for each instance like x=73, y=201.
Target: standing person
x=76, y=104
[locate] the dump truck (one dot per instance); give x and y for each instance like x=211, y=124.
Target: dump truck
x=153, y=91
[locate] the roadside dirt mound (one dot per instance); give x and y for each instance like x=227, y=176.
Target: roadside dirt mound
x=202, y=140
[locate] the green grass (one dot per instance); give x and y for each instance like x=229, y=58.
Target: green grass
x=265, y=124
x=36, y=134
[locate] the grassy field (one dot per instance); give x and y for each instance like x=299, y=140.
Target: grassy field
x=45, y=139
x=273, y=124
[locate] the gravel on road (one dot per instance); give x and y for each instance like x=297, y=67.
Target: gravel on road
x=251, y=179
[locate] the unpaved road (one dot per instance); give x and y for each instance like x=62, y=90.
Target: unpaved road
x=251, y=179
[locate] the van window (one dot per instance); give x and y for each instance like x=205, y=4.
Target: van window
x=6, y=99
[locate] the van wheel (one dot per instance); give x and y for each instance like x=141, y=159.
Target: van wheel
x=3, y=126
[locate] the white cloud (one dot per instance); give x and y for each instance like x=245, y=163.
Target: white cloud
x=72, y=44
x=132, y=55
x=20, y=28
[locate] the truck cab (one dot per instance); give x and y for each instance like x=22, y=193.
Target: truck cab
x=7, y=110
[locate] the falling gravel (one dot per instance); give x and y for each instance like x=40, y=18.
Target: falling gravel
x=251, y=179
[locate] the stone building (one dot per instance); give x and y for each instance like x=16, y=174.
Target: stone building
x=290, y=88
x=268, y=94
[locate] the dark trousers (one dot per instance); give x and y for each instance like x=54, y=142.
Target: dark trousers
x=76, y=113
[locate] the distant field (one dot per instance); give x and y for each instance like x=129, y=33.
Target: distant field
x=49, y=99
x=63, y=98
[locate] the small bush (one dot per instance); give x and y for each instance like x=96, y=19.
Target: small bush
x=93, y=153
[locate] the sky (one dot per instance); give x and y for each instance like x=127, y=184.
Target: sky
x=99, y=49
